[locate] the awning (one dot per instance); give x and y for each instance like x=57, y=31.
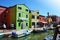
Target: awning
x=43, y=22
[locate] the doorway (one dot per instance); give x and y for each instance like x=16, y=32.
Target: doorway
x=23, y=25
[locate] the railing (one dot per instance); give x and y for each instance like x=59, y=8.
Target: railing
x=23, y=18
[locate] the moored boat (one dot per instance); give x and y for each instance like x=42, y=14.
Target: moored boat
x=37, y=30
x=19, y=34
x=49, y=37
x=1, y=35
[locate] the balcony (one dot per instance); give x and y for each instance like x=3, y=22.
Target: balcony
x=21, y=18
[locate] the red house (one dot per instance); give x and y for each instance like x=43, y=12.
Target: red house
x=42, y=20
x=8, y=18
x=2, y=16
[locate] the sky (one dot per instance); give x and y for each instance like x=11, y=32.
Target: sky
x=43, y=6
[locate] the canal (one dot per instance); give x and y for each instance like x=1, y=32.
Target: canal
x=33, y=36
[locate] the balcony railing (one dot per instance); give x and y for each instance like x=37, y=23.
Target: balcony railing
x=21, y=18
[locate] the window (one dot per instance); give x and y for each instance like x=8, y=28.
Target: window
x=26, y=16
x=29, y=11
x=33, y=16
x=37, y=17
x=18, y=20
x=4, y=14
x=26, y=9
x=40, y=18
x=19, y=14
x=37, y=12
x=33, y=23
x=19, y=24
x=37, y=23
x=19, y=8
x=26, y=24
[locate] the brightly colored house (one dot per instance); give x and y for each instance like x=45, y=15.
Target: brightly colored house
x=3, y=13
x=19, y=16
x=49, y=19
x=35, y=18
x=42, y=21
x=42, y=18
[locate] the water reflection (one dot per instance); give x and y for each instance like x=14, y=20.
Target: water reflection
x=23, y=38
x=37, y=36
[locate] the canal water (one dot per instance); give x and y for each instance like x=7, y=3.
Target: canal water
x=33, y=36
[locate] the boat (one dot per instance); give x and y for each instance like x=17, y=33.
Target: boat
x=17, y=35
x=1, y=35
x=37, y=30
x=58, y=37
x=24, y=33
x=51, y=28
x=49, y=37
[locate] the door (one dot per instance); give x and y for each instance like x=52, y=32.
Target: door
x=23, y=25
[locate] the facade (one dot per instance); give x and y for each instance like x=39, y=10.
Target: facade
x=58, y=20
x=19, y=16
x=35, y=18
x=49, y=19
x=54, y=18
x=42, y=20
x=3, y=13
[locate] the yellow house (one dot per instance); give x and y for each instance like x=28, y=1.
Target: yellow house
x=49, y=19
x=35, y=18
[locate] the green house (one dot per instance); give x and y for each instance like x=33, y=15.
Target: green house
x=20, y=16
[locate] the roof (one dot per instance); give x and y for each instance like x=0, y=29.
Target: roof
x=35, y=10
x=5, y=9
x=52, y=16
x=24, y=5
x=42, y=15
x=18, y=4
x=3, y=6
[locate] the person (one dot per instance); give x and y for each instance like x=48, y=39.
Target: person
x=4, y=26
